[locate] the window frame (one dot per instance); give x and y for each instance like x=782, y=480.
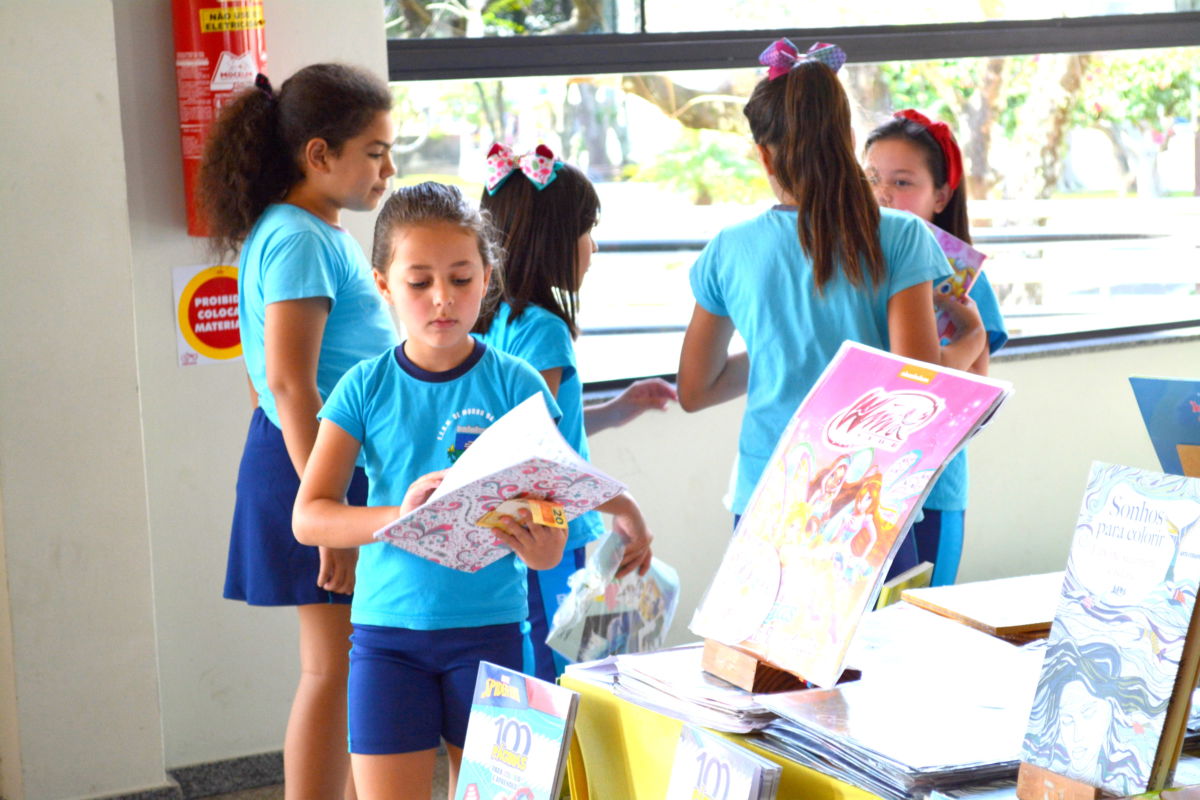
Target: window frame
x=601, y=54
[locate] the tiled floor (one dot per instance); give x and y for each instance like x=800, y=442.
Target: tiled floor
x=276, y=792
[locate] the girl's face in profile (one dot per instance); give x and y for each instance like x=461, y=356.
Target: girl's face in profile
x=436, y=282
x=901, y=178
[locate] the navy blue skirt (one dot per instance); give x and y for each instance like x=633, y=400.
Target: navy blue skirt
x=267, y=566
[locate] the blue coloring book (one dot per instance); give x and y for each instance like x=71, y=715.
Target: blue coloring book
x=1113, y=698
x=1171, y=409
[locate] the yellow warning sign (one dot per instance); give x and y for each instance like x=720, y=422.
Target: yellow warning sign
x=236, y=18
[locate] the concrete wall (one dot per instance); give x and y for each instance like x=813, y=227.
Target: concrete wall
x=116, y=465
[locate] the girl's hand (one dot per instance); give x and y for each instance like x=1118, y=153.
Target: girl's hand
x=964, y=313
x=631, y=527
x=420, y=489
x=336, y=573
x=638, y=397
x=539, y=546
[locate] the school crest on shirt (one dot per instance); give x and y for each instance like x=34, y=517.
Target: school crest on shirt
x=461, y=429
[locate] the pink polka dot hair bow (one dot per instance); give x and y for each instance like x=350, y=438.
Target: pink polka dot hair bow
x=538, y=165
x=781, y=56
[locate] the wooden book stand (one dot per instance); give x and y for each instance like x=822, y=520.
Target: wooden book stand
x=747, y=672
x=1039, y=783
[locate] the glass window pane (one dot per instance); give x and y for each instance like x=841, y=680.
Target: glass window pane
x=666, y=16
x=437, y=19
x=1081, y=169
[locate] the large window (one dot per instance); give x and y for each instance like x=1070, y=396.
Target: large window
x=1081, y=157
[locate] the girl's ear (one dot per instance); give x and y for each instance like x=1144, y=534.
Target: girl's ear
x=764, y=158
x=941, y=197
x=382, y=285
x=316, y=155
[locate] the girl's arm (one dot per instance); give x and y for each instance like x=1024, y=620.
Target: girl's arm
x=292, y=333
x=912, y=328
x=629, y=524
x=638, y=397
x=322, y=517
x=708, y=375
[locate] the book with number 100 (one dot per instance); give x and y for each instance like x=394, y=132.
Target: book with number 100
x=518, y=735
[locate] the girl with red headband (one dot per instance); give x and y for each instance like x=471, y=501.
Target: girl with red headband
x=915, y=165
x=824, y=265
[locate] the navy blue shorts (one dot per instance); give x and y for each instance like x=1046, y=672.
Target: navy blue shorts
x=409, y=689
x=547, y=588
x=267, y=566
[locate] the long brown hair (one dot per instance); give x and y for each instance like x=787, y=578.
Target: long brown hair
x=252, y=156
x=953, y=218
x=541, y=230
x=803, y=118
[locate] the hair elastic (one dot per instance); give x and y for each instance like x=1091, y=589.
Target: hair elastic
x=781, y=57
x=538, y=165
x=263, y=84
x=941, y=134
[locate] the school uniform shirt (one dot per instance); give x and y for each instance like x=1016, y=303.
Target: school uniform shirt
x=757, y=274
x=411, y=422
x=949, y=492
x=291, y=254
x=543, y=339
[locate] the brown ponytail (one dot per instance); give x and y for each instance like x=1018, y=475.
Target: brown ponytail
x=803, y=118
x=251, y=158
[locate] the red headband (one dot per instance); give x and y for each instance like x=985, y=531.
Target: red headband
x=941, y=134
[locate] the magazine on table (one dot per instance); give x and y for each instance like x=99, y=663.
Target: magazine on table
x=518, y=736
x=837, y=496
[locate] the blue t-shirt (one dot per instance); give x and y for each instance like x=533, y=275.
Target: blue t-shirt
x=757, y=274
x=543, y=339
x=949, y=493
x=411, y=422
x=291, y=255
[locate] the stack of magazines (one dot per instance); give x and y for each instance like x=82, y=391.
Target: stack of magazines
x=898, y=732
x=708, y=765
x=672, y=683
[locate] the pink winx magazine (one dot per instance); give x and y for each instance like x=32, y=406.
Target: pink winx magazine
x=839, y=493
x=967, y=263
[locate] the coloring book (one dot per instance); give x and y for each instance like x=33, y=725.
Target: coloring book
x=518, y=735
x=522, y=454
x=710, y=766
x=840, y=490
x=1171, y=410
x=1115, y=689
x=966, y=261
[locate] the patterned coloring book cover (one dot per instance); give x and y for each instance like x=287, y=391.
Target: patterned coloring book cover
x=517, y=737
x=522, y=454
x=1114, y=649
x=840, y=490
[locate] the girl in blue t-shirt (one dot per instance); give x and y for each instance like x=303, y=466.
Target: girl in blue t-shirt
x=278, y=171
x=421, y=629
x=545, y=211
x=914, y=164
x=823, y=266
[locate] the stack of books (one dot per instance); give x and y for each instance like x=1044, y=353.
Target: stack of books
x=707, y=765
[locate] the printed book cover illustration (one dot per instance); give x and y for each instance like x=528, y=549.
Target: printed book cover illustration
x=840, y=489
x=602, y=616
x=710, y=766
x=1171, y=410
x=518, y=736
x=1104, y=712
x=522, y=454
x=966, y=262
